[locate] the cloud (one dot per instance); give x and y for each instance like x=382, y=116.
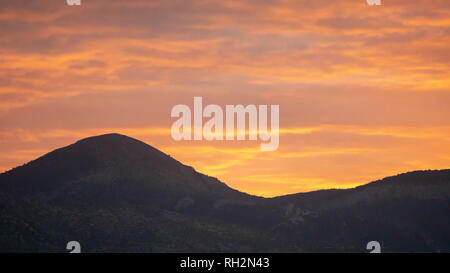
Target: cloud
x=363, y=91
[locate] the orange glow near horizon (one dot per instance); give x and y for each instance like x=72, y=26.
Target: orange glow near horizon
x=364, y=91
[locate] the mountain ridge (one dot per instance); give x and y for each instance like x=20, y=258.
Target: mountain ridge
x=117, y=138
x=113, y=185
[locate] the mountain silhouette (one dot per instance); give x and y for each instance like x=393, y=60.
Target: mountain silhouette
x=112, y=169
x=113, y=193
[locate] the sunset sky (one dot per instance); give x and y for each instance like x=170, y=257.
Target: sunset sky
x=364, y=91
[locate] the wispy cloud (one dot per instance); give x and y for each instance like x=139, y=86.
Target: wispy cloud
x=363, y=91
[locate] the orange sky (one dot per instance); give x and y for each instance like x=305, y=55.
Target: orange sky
x=364, y=91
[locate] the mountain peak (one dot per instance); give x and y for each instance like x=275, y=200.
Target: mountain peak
x=111, y=164
x=114, y=148
x=113, y=141
x=113, y=155
x=107, y=137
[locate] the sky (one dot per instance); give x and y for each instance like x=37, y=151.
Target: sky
x=364, y=91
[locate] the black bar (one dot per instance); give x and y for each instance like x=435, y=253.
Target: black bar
x=241, y=262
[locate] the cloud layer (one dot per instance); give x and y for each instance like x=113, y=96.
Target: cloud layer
x=363, y=90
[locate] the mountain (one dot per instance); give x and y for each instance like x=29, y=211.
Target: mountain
x=113, y=193
x=113, y=169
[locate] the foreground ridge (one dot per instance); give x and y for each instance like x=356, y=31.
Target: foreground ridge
x=115, y=193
